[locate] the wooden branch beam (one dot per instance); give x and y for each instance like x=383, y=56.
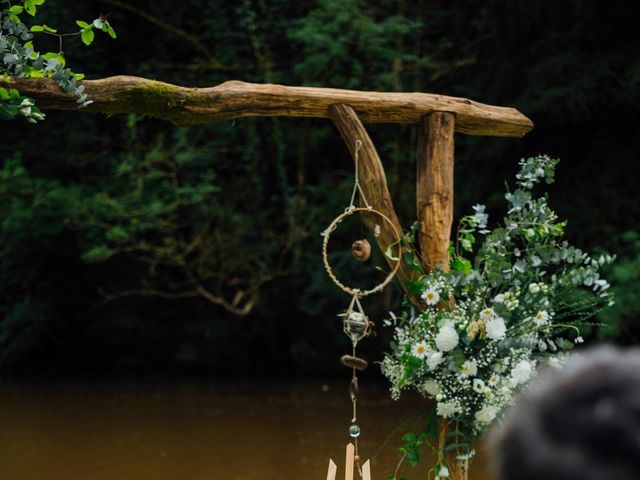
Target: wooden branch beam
x=434, y=184
x=235, y=99
x=373, y=182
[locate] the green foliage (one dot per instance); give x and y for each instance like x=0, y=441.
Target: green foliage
x=622, y=317
x=20, y=59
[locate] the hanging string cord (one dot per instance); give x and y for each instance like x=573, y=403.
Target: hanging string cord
x=353, y=390
x=356, y=184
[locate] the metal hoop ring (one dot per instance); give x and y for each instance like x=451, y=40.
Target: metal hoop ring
x=325, y=259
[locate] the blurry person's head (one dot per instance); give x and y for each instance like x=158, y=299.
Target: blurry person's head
x=581, y=422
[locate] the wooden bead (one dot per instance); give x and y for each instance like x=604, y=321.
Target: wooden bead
x=356, y=458
x=354, y=362
x=361, y=250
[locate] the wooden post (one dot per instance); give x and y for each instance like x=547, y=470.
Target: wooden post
x=434, y=201
x=373, y=182
x=434, y=187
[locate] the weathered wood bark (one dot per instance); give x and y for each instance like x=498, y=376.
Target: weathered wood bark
x=373, y=182
x=434, y=202
x=234, y=99
x=434, y=187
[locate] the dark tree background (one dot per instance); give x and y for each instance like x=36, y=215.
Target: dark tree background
x=128, y=242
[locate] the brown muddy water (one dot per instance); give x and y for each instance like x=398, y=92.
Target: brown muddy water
x=196, y=430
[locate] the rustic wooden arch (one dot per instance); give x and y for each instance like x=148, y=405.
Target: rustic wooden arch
x=438, y=118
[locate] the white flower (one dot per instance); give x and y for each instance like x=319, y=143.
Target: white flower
x=534, y=288
x=420, y=350
x=447, y=338
x=541, y=318
x=431, y=296
x=578, y=340
x=493, y=380
x=499, y=298
x=447, y=410
x=356, y=316
x=486, y=414
x=480, y=216
x=487, y=314
x=555, y=362
x=499, y=368
x=434, y=360
x=496, y=328
x=469, y=368
x=431, y=387
x=478, y=385
x=521, y=372
x=443, y=472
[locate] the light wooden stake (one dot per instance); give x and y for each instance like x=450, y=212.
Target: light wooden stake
x=350, y=466
x=331, y=474
x=349, y=463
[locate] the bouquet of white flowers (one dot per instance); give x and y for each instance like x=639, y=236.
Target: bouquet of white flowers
x=525, y=298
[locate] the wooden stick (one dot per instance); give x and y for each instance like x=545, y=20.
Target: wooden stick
x=366, y=471
x=234, y=99
x=373, y=182
x=349, y=464
x=331, y=473
x=434, y=187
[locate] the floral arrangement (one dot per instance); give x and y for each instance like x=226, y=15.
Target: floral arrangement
x=526, y=298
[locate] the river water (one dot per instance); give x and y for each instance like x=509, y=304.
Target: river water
x=195, y=430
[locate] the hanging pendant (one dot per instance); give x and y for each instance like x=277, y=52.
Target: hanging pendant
x=355, y=323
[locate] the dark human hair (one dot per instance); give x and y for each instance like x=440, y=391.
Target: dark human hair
x=581, y=422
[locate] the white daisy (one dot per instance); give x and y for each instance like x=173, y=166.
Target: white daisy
x=431, y=296
x=420, y=350
x=493, y=380
x=541, y=318
x=487, y=314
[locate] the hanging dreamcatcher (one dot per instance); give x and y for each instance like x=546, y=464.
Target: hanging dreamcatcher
x=355, y=323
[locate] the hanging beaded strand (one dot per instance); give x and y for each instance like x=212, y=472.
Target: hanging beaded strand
x=356, y=325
